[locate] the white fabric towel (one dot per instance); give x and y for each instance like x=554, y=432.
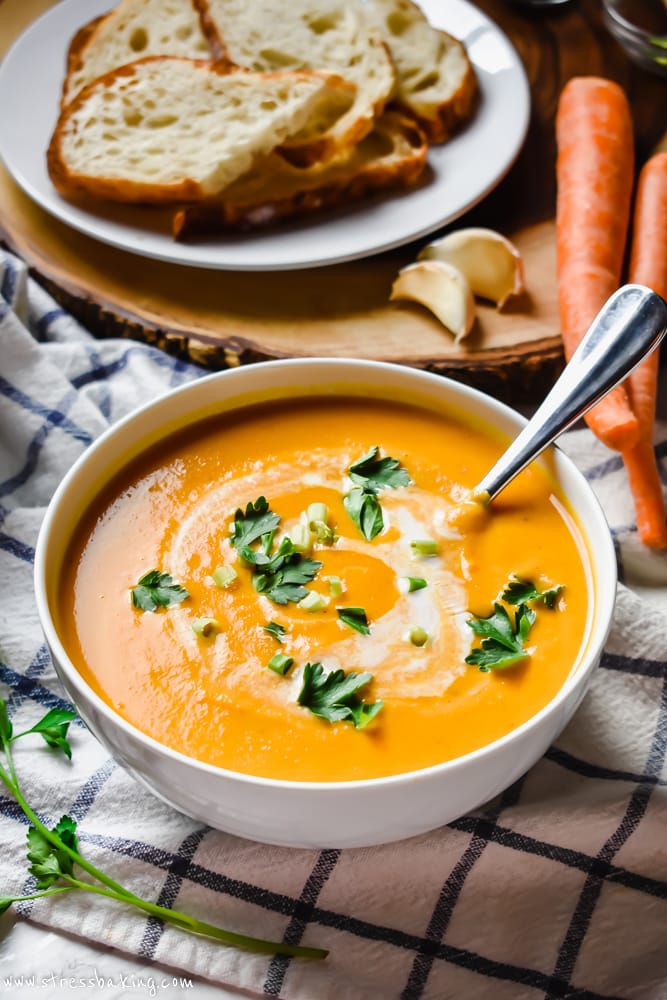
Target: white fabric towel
x=557, y=888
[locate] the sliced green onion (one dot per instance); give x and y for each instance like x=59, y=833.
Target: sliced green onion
x=418, y=636
x=424, y=547
x=323, y=533
x=313, y=601
x=335, y=585
x=316, y=512
x=317, y=519
x=206, y=627
x=280, y=663
x=301, y=538
x=223, y=576
x=406, y=584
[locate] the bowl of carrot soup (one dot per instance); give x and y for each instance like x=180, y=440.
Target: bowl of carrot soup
x=271, y=598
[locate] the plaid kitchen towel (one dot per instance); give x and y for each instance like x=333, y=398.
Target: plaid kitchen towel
x=557, y=888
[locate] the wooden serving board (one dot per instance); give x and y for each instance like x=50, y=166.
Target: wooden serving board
x=223, y=319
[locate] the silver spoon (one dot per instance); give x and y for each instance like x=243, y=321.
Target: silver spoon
x=628, y=327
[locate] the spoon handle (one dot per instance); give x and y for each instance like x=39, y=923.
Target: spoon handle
x=628, y=327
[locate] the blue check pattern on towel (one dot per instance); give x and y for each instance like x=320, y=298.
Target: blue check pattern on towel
x=557, y=888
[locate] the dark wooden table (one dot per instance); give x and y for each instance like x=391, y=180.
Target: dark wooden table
x=223, y=319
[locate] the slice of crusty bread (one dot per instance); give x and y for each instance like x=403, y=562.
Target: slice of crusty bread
x=333, y=35
x=132, y=30
x=393, y=155
x=435, y=80
x=166, y=129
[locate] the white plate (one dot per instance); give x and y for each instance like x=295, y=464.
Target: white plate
x=464, y=170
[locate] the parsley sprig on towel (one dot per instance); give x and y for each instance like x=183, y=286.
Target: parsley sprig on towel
x=54, y=854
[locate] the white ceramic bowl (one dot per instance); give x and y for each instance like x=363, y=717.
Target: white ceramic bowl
x=314, y=814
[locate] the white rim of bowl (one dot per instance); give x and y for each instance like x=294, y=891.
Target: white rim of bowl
x=599, y=627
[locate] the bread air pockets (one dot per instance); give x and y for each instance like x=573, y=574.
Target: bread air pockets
x=222, y=144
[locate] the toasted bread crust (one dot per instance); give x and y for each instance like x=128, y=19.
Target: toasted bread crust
x=435, y=80
x=392, y=157
x=451, y=115
x=75, y=52
x=71, y=182
x=132, y=30
x=209, y=27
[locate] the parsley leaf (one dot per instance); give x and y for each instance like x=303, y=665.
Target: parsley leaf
x=502, y=640
x=257, y=520
x=375, y=473
x=281, y=576
x=520, y=591
x=283, y=581
x=48, y=862
x=276, y=630
x=333, y=696
x=365, y=511
x=53, y=729
x=372, y=474
x=157, y=590
x=355, y=618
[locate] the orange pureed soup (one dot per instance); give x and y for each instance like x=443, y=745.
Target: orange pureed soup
x=212, y=696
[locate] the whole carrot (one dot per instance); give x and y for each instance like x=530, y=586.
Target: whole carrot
x=648, y=266
x=594, y=172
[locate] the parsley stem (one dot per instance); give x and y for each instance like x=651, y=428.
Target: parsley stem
x=115, y=891
x=195, y=926
x=43, y=893
x=12, y=769
x=54, y=839
x=6, y=780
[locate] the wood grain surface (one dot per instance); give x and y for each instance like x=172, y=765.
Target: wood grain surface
x=222, y=319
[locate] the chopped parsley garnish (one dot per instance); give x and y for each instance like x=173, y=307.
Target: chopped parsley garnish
x=333, y=696
x=372, y=474
x=157, y=590
x=280, y=576
x=257, y=520
x=520, y=591
x=355, y=618
x=365, y=511
x=276, y=630
x=502, y=640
